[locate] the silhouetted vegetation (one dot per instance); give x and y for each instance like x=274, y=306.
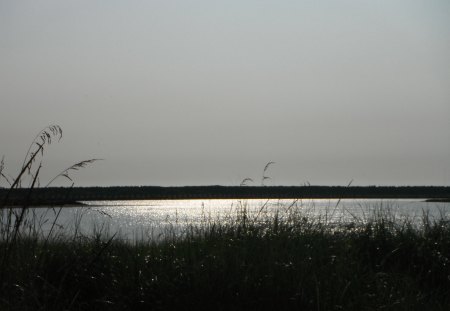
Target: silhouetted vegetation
x=272, y=261
x=72, y=195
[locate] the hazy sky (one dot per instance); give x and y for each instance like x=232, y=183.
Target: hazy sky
x=207, y=92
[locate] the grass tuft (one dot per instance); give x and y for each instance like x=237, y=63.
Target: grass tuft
x=280, y=260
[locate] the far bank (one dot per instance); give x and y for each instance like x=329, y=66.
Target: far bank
x=62, y=195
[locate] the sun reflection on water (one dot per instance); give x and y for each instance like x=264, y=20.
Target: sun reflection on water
x=144, y=219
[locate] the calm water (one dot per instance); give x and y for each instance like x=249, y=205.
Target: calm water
x=150, y=219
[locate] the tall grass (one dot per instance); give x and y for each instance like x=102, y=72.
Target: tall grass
x=248, y=261
x=16, y=225
x=280, y=260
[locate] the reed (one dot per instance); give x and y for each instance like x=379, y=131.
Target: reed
x=248, y=262
x=284, y=260
x=15, y=225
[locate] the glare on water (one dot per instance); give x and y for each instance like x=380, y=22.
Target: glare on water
x=144, y=219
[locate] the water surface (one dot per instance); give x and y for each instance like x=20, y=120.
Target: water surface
x=146, y=219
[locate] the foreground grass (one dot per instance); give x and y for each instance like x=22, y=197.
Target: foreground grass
x=274, y=264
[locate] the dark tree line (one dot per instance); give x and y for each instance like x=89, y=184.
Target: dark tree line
x=63, y=195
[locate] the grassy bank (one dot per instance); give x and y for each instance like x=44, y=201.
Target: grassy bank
x=243, y=262
x=270, y=263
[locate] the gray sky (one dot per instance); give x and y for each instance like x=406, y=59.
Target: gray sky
x=207, y=92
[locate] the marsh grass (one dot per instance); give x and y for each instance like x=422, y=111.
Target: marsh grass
x=248, y=261
x=266, y=259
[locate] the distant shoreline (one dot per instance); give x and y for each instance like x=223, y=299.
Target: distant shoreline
x=445, y=200
x=43, y=204
x=74, y=196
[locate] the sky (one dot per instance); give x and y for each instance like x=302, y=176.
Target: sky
x=207, y=92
